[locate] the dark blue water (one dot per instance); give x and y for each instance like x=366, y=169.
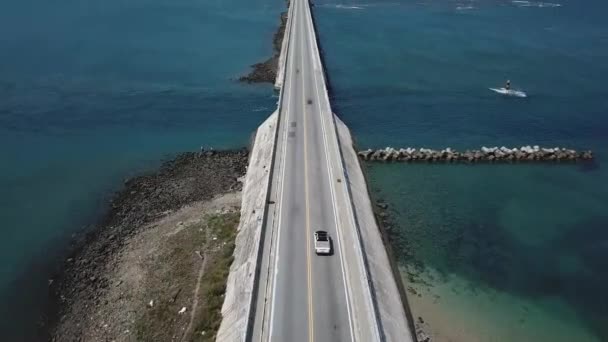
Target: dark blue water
x=497, y=253
x=94, y=92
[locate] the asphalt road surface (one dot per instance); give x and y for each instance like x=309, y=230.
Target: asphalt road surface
x=303, y=297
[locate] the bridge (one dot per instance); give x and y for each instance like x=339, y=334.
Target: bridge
x=304, y=176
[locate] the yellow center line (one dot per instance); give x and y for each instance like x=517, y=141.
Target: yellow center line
x=308, y=246
x=308, y=235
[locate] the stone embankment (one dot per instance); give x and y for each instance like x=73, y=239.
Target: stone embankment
x=485, y=154
x=266, y=72
x=127, y=278
x=243, y=278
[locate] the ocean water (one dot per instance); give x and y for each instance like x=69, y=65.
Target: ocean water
x=94, y=92
x=489, y=252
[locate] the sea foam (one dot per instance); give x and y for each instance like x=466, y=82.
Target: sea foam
x=524, y=3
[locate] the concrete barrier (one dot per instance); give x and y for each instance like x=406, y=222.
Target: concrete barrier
x=393, y=319
x=278, y=83
x=365, y=312
x=241, y=284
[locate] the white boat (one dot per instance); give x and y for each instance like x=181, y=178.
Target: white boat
x=509, y=92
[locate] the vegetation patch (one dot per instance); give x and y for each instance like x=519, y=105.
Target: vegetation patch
x=213, y=284
x=185, y=281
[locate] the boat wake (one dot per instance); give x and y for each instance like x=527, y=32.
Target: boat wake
x=340, y=6
x=349, y=7
x=509, y=92
x=525, y=3
x=465, y=8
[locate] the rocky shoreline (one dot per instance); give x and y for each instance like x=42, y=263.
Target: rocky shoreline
x=485, y=154
x=267, y=71
x=84, y=279
x=387, y=222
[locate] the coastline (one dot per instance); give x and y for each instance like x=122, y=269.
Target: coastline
x=95, y=294
x=451, y=305
x=446, y=307
x=193, y=189
x=266, y=72
x=450, y=308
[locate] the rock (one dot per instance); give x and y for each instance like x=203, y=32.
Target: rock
x=365, y=154
x=187, y=178
x=151, y=303
x=422, y=336
x=492, y=154
x=377, y=155
x=183, y=310
x=587, y=155
x=387, y=156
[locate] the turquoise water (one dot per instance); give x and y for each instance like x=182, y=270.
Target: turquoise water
x=497, y=253
x=94, y=92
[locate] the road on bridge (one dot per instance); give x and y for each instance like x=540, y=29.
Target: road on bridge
x=302, y=296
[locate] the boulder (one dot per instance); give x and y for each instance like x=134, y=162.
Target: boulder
x=493, y=154
x=377, y=155
x=365, y=154
x=587, y=155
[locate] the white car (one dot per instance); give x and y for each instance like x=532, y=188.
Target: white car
x=322, y=242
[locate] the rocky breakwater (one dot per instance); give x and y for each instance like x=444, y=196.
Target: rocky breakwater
x=485, y=154
x=138, y=274
x=267, y=71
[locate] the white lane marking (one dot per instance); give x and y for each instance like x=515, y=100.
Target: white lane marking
x=351, y=214
x=282, y=182
x=311, y=310
x=345, y=279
